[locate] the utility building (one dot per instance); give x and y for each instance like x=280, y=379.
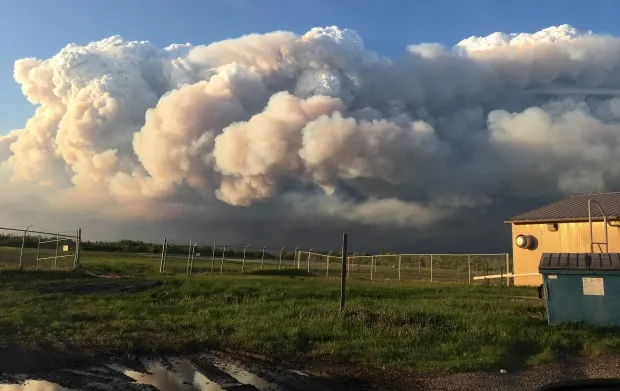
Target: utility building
x=587, y=223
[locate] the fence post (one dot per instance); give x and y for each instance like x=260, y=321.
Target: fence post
x=189, y=256
x=507, y=269
x=212, y=258
x=280, y=264
x=222, y=262
x=38, y=250
x=343, y=273
x=431, y=267
x=296, y=260
x=56, y=256
x=399, y=261
x=327, y=266
x=309, y=252
x=243, y=262
x=372, y=263
x=163, y=256
x=78, y=243
x=191, y=265
x=469, y=267
x=262, y=258
x=21, y=252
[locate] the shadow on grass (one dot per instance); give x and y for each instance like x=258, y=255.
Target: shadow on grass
x=282, y=273
x=27, y=275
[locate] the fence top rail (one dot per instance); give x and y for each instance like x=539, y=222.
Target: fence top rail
x=395, y=255
x=39, y=232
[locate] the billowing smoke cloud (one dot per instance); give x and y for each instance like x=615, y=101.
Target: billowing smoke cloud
x=321, y=128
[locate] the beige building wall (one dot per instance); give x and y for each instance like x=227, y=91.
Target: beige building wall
x=569, y=238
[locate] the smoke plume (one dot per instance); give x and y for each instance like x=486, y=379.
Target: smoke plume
x=316, y=129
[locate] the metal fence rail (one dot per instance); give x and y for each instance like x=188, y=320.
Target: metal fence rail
x=422, y=267
x=33, y=248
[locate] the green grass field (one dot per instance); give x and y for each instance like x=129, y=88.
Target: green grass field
x=397, y=328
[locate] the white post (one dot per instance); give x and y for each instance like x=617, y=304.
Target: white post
x=55, y=256
x=399, y=261
x=222, y=263
x=243, y=262
x=280, y=264
x=296, y=259
x=189, y=256
x=212, y=258
x=469, y=267
x=21, y=252
x=191, y=265
x=38, y=250
x=507, y=269
x=309, y=252
x=163, y=256
x=327, y=266
x=372, y=262
x=262, y=257
x=431, y=267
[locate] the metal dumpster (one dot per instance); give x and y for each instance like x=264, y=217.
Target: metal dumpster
x=582, y=288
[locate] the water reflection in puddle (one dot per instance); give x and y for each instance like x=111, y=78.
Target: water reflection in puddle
x=166, y=374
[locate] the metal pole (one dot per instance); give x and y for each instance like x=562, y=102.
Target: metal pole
x=78, y=244
x=163, y=256
x=372, y=262
x=21, y=252
x=189, y=256
x=343, y=273
x=469, y=267
x=399, y=261
x=213, y=258
x=507, y=269
x=222, y=263
x=590, y=223
x=280, y=264
x=309, y=252
x=296, y=260
x=431, y=267
x=243, y=262
x=56, y=256
x=191, y=265
x=78, y=240
x=38, y=250
x=262, y=257
x=327, y=266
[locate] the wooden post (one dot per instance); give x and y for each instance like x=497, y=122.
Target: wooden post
x=343, y=273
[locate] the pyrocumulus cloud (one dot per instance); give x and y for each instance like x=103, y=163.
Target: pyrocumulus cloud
x=319, y=125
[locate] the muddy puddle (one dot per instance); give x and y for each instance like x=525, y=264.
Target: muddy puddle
x=203, y=372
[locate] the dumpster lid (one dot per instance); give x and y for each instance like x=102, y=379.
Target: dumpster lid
x=579, y=261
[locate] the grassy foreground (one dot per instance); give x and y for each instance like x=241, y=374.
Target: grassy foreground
x=398, y=328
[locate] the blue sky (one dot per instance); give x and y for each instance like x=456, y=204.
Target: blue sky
x=39, y=28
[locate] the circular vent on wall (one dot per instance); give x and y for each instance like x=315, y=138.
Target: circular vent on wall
x=525, y=241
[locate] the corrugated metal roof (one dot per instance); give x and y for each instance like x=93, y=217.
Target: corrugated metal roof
x=579, y=261
x=574, y=208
